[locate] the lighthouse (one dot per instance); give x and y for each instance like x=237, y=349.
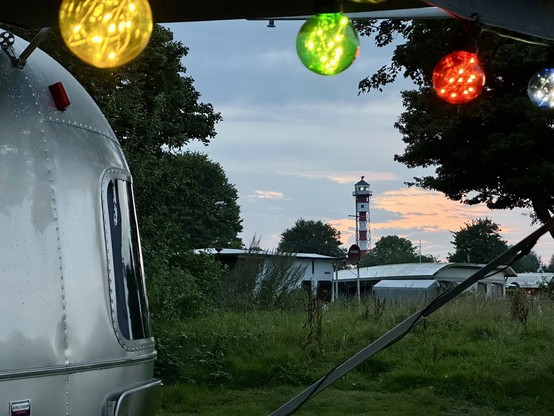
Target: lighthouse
x=361, y=195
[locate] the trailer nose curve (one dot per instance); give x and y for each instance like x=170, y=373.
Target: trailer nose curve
x=74, y=320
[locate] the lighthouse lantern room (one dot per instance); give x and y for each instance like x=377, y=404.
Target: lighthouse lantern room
x=363, y=234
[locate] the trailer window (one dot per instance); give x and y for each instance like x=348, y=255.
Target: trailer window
x=126, y=260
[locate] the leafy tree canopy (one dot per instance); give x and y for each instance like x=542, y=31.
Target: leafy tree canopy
x=187, y=202
x=392, y=249
x=480, y=242
x=530, y=263
x=495, y=150
x=477, y=242
x=310, y=236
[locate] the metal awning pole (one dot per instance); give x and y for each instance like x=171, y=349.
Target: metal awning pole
x=335, y=265
x=358, y=282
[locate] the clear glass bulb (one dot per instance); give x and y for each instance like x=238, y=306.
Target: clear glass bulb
x=541, y=88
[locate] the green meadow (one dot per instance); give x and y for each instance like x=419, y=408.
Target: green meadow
x=475, y=356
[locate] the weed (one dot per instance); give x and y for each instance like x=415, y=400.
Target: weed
x=519, y=306
x=314, y=322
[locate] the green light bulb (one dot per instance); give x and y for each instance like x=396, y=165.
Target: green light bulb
x=327, y=43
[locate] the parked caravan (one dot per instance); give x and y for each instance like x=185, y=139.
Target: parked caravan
x=76, y=337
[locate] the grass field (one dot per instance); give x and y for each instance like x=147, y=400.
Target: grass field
x=473, y=357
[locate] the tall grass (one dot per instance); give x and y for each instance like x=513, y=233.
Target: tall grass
x=471, y=353
x=262, y=280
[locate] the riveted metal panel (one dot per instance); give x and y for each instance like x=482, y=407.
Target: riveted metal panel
x=58, y=349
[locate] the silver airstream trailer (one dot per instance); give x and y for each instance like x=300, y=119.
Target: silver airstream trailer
x=74, y=321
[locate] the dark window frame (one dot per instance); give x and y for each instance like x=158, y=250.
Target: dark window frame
x=128, y=297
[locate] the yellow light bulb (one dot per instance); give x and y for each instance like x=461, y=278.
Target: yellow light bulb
x=106, y=33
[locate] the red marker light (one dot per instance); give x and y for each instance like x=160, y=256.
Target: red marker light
x=59, y=95
x=458, y=78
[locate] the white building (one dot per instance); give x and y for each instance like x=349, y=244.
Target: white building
x=317, y=271
x=446, y=274
x=531, y=282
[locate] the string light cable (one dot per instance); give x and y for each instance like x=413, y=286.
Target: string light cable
x=399, y=331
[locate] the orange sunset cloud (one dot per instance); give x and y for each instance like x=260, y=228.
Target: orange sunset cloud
x=428, y=210
x=431, y=212
x=349, y=177
x=347, y=228
x=414, y=208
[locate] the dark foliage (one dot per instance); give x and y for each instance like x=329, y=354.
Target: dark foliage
x=477, y=242
x=393, y=249
x=496, y=150
x=310, y=236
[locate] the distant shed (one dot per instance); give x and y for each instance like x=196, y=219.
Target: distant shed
x=531, y=282
x=317, y=269
x=406, y=291
x=446, y=274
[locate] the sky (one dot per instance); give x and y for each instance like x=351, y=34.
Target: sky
x=294, y=143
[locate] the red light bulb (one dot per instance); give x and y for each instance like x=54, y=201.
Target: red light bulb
x=458, y=78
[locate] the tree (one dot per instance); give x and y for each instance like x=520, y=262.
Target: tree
x=528, y=264
x=310, y=236
x=495, y=150
x=477, y=242
x=189, y=195
x=393, y=249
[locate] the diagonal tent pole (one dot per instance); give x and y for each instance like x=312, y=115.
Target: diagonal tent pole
x=519, y=250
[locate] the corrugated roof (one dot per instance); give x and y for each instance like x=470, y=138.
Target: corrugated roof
x=529, y=280
x=411, y=270
x=406, y=284
x=242, y=251
x=385, y=271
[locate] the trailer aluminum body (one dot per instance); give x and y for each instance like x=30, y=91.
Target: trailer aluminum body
x=75, y=332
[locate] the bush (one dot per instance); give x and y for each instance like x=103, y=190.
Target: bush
x=182, y=288
x=186, y=286
x=519, y=306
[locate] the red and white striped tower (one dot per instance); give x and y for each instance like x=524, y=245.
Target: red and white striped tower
x=363, y=234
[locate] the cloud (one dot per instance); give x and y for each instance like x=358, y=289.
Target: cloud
x=347, y=228
x=277, y=57
x=344, y=177
x=421, y=216
x=258, y=194
x=428, y=218
x=310, y=109
x=424, y=210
